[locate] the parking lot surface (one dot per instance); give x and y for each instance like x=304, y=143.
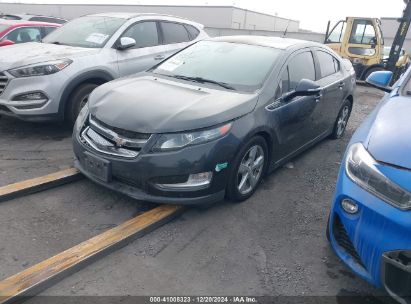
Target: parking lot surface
x=273, y=244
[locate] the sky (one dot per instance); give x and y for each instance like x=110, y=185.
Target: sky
x=313, y=14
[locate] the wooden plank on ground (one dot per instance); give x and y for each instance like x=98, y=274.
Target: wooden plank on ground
x=31, y=281
x=39, y=184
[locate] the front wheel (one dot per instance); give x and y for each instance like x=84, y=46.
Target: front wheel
x=78, y=100
x=248, y=169
x=342, y=120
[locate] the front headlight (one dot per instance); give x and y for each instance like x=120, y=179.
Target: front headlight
x=167, y=142
x=81, y=119
x=41, y=69
x=362, y=169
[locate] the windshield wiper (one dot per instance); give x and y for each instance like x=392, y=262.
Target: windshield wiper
x=203, y=80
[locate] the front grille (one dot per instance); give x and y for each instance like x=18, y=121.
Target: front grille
x=106, y=140
x=342, y=239
x=4, y=80
x=122, y=132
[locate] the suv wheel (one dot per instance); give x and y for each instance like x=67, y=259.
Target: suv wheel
x=78, y=100
x=249, y=167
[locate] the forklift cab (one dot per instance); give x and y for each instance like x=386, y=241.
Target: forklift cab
x=361, y=41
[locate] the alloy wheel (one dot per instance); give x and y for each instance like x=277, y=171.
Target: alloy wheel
x=250, y=170
x=343, y=120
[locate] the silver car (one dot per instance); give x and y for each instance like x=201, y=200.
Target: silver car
x=52, y=80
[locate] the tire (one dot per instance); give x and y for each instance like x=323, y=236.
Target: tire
x=341, y=122
x=243, y=161
x=77, y=100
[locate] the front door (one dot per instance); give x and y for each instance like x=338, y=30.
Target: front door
x=146, y=53
x=293, y=120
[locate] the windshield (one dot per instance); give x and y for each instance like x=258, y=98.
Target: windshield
x=241, y=66
x=88, y=32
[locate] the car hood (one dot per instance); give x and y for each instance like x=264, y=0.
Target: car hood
x=152, y=105
x=390, y=140
x=30, y=53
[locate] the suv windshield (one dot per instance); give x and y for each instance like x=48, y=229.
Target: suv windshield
x=88, y=32
x=241, y=66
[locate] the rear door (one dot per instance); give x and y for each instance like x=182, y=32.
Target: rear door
x=293, y=121
x=176, y=36
x=331, y=79
x=147, y=52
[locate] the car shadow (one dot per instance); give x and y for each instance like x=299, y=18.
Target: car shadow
x=14, y=128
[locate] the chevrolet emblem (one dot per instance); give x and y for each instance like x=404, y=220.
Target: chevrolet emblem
x=119, y=142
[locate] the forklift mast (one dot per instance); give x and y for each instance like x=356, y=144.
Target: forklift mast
x=399, y=39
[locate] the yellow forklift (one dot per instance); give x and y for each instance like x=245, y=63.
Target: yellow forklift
x=361, y=41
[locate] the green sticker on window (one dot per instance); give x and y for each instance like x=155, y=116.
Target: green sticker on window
x=220, y=167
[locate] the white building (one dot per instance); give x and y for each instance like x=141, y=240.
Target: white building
x=390, y=28
x=220, y=17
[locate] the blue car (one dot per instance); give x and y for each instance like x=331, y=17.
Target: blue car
x=370, y=221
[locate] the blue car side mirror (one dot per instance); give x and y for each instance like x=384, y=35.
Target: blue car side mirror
x=381, y=80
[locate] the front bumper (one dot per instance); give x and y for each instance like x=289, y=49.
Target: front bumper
x=368, y=242
x=43, y=110
x=138, y=178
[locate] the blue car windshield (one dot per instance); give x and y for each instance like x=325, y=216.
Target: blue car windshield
x=241, y=66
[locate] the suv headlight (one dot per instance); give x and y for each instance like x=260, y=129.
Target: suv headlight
x=41, y=69
x=362, y=169
x=168, y=142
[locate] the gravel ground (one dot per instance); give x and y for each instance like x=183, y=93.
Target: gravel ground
x=273, y=244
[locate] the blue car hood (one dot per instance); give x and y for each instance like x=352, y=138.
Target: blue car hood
x=390, y=136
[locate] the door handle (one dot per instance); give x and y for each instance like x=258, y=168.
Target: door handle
x=341, y=85
x=159, y=57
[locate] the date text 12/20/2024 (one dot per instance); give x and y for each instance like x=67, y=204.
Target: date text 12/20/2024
x=203, y=299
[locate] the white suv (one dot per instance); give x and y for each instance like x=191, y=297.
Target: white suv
x=52, y=80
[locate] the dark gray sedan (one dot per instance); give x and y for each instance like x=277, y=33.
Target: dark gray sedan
x=212, y=120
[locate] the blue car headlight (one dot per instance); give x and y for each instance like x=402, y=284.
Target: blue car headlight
x=362, y=169
x=175, y=141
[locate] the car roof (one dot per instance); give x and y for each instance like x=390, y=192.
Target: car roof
x=128, y=16
x=15, y=23
x=267, y=41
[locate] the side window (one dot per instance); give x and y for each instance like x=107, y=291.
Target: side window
x=337, y=33
x=363, y=32
x=48, y=30
x=328, y=64
x=300, y=67
x=194, y=32
x=144, y=33
x=174, y=33
x=283, y=85
x=24, y=34
x=336, y=65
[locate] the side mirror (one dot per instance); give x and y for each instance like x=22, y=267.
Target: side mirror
x=305, y=87
x=6, y=42
x=126, y=43
x=381, y=80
